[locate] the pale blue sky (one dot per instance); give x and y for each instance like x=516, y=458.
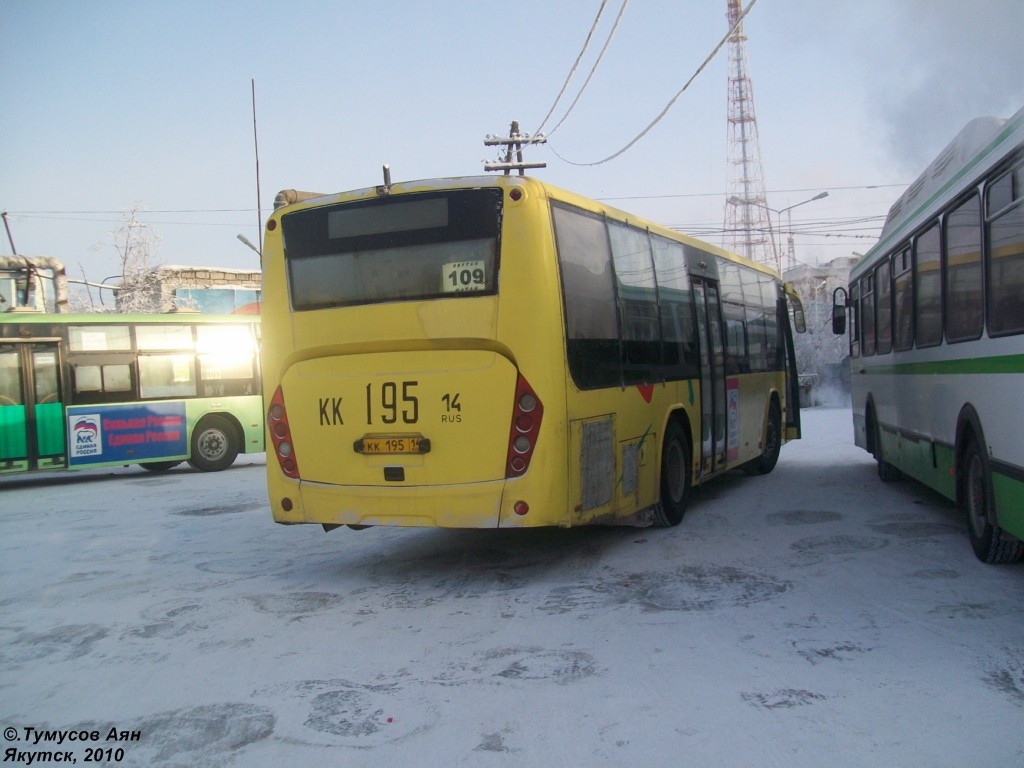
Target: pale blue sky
x=107, y=104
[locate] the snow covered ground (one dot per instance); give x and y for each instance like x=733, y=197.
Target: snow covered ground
x=814, y=617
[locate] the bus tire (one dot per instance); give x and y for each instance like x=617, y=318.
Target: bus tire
x=159, y=466
x=769, y=457
x=675, y=477
x=976, y=501
x=215, y=444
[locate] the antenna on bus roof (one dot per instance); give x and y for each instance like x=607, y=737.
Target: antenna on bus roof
x=385, y=188
x=515, y=139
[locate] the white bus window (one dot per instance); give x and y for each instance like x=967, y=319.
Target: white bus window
x=928, y=289
x=883, y=308
x=963, y=272
x=903, y=301
x=1006, y=266
x=867, y=298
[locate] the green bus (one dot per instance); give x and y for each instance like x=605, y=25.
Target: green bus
x=87, y=391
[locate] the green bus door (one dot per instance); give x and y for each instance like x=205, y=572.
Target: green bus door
x=32, y=430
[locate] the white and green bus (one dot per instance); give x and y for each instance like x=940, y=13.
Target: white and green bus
x=936, y=314
x=87, y=391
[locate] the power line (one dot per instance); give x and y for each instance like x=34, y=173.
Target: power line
x=902, y=185
x=122, y=211
x=672, y=101
x=593, y=69
x=572, y=70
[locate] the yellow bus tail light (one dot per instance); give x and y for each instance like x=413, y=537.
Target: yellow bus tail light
x=281, y=435
x=522, y=439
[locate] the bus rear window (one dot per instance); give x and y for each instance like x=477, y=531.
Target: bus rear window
x=404, y=248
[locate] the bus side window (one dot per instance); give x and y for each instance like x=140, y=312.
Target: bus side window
x=1006, y=255
x=855, y=320
x=99, y=379
x=638, y=303
x=963, y=272
x=928, y=288
x=903, y=301
x=679, y=352
x=592, y=343
x=883, y=307
x=10, y=377
x=867, y=298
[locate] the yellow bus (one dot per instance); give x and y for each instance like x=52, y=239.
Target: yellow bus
x=495, y=352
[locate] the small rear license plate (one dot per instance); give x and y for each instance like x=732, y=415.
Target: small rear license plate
x=384, y=445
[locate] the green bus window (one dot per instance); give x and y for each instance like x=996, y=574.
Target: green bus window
x=10, y=377
x=163, y=337
x=99, y=338
x=162, y=376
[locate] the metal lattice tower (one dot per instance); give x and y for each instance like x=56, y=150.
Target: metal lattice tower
x=747, y=224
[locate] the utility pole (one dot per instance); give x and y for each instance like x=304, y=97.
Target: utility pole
x=514, y=143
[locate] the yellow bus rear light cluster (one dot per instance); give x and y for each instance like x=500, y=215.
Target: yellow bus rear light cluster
x=281, y=435
x=526, y=418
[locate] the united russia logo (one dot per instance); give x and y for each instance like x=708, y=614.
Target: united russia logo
x=86, y=435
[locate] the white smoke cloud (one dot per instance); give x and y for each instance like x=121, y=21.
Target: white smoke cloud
x=937, y=65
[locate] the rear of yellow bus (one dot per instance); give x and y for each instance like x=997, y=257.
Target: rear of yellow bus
x=413, y=357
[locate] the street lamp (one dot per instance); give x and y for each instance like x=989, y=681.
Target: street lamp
x=245, y=241
x=778, y=258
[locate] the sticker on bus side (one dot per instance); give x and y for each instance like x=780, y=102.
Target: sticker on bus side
x=462, y=276
x=126, y=433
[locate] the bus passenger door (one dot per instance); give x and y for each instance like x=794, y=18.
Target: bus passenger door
x=712, y=376
x=32, y=430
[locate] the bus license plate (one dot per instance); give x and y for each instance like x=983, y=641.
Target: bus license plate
x=385, y=445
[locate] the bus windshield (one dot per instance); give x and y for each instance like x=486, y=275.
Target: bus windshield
x=431, y=245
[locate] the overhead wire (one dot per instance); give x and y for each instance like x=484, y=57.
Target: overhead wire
x=672, y=101
x=572, y=70
x=593, y=69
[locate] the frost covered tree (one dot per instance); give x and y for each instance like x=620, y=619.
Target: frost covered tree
x=820, y=354
x=136, y=244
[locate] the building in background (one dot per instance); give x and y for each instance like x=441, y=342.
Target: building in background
x=209, y=290
x=41, y=284
x=32, y=283
x=822, y=358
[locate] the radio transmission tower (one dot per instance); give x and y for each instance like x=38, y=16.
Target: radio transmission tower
x=747, y=225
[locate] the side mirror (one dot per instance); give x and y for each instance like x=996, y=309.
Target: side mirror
x=838, y=312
